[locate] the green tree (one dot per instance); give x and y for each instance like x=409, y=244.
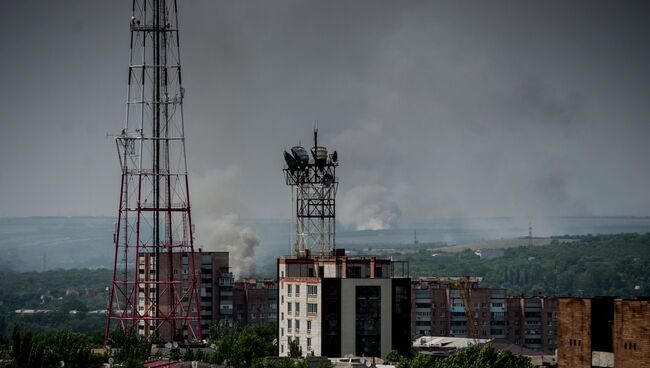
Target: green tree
x=295, y=351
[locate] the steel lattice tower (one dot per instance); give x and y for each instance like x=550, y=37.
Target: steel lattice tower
x=148, y=294
x=315, y=183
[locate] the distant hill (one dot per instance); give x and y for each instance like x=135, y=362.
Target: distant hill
x=37, y=243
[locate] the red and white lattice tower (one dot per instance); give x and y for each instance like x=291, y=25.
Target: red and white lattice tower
x=153, y=293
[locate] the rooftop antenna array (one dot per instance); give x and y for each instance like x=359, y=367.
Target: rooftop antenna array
x=154, y=220
x=315, y=183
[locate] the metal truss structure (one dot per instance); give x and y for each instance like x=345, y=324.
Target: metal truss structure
x=315, y=183
x=151, y=294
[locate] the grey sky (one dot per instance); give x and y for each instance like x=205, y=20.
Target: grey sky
x=437, y=109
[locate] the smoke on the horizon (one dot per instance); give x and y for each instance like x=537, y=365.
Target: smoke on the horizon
x=369, y=208
x=218, y=226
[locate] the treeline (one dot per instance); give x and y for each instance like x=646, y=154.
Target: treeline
x=47, y=291
x=47, y=349
x=616, y=265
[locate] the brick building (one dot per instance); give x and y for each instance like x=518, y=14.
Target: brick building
x=438, y=309
x=585, y=332
x=632, y=333
x=532, y=322
x=255, y=302
x=215, y=287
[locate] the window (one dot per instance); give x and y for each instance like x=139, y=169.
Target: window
x=282, y=331
x=297, y=325
x=289, y=323
x=289, y=289
x=282, y=316
x=289, y=308
x=297, y=290
x=282, y=348
x=312, y=290
x=308, y=326
x=309, y=341
x=312, y=308
x=282, y=299
x=297, y=307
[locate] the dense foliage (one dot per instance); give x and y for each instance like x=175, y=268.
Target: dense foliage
x=49, y=349
x=616, y=265
x=240, y=347
x=47, y=291
x=475, y=356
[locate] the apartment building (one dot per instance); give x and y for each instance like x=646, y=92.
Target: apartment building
x=255, y=301
x=336, y=305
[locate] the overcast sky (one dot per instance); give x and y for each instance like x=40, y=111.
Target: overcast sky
x=437, y=109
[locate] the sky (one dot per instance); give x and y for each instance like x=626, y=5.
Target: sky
x=438, y=109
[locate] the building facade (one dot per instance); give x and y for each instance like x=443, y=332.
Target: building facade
x=438, y=309
x=215, y=289
x=531, y=322
x=335, y=305
x=603, y=332
x=255, y=302
x=584, y=331
x=632, y=333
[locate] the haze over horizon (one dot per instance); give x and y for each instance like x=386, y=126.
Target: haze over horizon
x=437, y=109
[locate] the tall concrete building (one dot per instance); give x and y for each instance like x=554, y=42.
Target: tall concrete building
x=334, y=306
x=215, y=289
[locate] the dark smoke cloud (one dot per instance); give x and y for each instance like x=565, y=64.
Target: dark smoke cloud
x=454, y=109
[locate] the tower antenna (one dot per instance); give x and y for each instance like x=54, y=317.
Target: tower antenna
x=315, y=183
x=148, y=295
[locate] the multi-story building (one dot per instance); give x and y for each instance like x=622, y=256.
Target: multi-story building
x=214, y=282
x=438, y=309
x=632, y=333
x=603, y=332
x=255, y=301
x=335, y=305
x=532, y=322
x=584, y=332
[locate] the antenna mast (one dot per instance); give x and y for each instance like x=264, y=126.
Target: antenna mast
x=315, y=184
x=154, y=229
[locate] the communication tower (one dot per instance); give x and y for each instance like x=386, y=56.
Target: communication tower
x=152, y=293
x=315, y=183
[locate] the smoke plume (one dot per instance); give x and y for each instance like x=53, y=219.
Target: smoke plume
x=369, y=208
x=218, y=226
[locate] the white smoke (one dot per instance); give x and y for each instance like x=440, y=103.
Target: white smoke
x=216, y=206
x=369, y=208
x=225, y=234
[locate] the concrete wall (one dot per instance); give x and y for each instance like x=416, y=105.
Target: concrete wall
x=348, y=315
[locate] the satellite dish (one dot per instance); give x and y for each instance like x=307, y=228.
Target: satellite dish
x=335, y=156
x=300, y=154
x=291, y=161
x=328, y=180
